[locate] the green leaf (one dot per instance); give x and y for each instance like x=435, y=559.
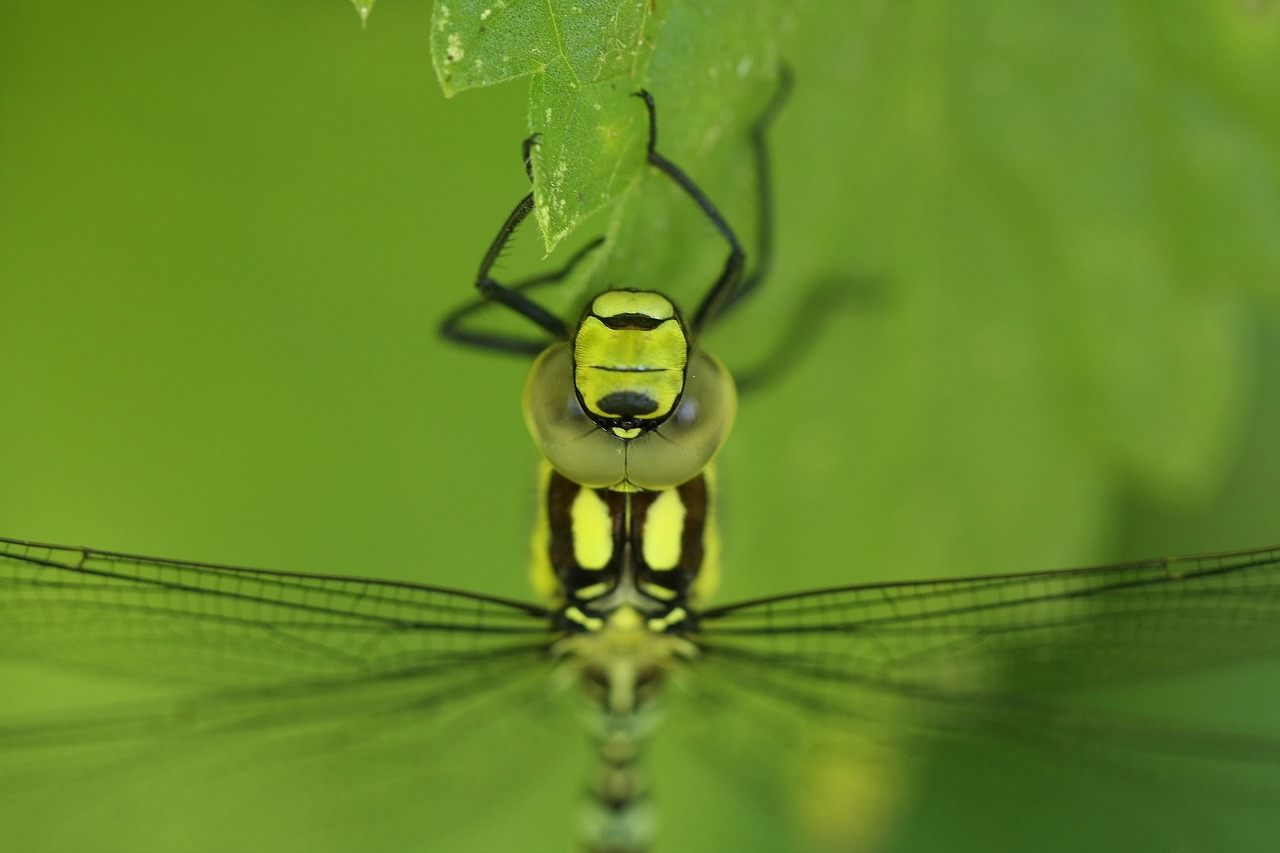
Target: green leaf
x=587, y=58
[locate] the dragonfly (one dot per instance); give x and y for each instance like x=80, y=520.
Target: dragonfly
x=629, y=412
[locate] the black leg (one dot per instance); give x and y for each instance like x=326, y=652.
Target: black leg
x=512, y=296
x=454, y=325
x=732, y=272
x=526, y=149
x=731, y=286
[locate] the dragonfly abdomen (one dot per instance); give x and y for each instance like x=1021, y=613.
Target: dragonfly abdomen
x=619, y=817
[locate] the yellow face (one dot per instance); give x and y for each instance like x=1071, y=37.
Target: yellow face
x=629, y=358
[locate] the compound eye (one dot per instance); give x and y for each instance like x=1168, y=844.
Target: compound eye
x=571, y=441
x=686, y=442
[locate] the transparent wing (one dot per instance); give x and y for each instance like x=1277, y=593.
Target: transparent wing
x=220, y=625
x=324, y=704
x=1142, y=700
x=357, y=763
x=1040, y=655
x=1031, y=633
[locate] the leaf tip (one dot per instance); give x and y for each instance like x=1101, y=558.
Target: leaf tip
x=363, y=8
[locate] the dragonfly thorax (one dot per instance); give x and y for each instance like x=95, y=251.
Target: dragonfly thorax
x=600, y=551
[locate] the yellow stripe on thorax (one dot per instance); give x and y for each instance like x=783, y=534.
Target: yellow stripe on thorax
x=592, y=530
x=664, y=531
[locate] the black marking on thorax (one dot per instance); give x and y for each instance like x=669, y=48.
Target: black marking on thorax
x=626, y=578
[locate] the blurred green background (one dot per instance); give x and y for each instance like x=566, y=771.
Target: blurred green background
x=228, y=231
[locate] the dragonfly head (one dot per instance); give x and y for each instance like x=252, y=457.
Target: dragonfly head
x=628, y=403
